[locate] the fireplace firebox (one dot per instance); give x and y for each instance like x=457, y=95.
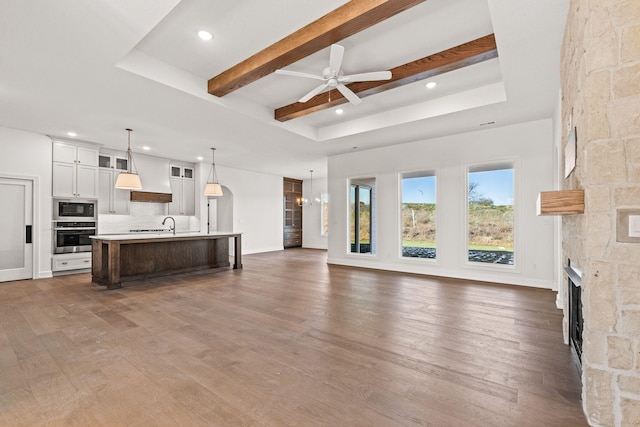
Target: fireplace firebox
x=574, y=294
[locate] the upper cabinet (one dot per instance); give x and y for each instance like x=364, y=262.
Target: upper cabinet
x=113, y=161
x=75, y=170
x=185, y=172
x=183, y=190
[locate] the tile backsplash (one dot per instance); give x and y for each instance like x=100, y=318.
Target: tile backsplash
x=145, y=216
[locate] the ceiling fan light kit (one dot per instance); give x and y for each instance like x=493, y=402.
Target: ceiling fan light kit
x=333, y=77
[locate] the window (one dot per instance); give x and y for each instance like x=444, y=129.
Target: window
x=490, y=214
x=324, y=214
x=418, y=215
x=362, y=216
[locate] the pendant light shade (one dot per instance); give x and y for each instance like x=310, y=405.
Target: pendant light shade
x=213, y=188
x=129, y=180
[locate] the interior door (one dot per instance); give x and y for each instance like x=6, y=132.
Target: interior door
x=16, y=253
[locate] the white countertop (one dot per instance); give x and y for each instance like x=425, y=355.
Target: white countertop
x=164, y=235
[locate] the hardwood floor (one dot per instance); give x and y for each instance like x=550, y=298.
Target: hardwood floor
x=288, y=340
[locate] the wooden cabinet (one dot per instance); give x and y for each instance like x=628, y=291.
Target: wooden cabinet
x=292, y=211
x=111, y=200
x=75, y=170
x=183, y=189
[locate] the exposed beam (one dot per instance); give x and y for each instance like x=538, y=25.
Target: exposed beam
x=348, y=19
x=461, y=56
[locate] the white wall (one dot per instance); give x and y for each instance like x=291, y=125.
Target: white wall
x=257, y=206
x=529, y=145
x=311, y=214
x=29, y=155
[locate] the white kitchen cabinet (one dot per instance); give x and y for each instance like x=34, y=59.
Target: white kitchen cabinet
x=66, y=262
x=75, y=170
x=182, y=171
x=111, y=200
x=183, y=189
x=184, y=197
x=113, y=161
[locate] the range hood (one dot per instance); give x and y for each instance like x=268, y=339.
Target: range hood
x=154, y=174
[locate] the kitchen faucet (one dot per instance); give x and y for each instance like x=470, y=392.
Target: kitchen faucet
x=174, y=224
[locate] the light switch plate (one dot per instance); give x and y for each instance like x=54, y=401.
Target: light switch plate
x=634, y=225
x=628, y=226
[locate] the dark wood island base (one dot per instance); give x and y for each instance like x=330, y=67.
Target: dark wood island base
x=117, y=259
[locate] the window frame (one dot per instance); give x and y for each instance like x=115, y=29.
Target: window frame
x=497, y=164
x=324, y=198
x=400, y=176
x=374, y=211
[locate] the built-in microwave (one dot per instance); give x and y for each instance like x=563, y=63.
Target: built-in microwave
x=74, y=209
x=72, y=236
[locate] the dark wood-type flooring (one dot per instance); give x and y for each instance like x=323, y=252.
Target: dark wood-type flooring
x=288, y=340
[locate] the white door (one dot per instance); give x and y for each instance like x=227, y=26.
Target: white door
x=16, y=254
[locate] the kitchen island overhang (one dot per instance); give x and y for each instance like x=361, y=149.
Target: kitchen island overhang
x=125, y=257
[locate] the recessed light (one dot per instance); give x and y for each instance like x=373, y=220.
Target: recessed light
x=200, y=158
x=146, y=148
x=72, y=134
x=431, y=85
x=339, y=111
x=205, y=35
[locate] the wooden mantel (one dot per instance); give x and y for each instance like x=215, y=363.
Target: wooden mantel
x=563, y=202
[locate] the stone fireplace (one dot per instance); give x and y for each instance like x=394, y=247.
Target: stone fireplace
x=600, y=84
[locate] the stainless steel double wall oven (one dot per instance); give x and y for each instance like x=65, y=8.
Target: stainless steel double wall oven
x=74, y=221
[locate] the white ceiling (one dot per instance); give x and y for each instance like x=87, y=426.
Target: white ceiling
x=97, y=67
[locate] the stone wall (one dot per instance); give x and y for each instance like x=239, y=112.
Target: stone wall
x=600, y=78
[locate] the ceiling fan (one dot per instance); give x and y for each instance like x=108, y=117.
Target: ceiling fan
x=333, y=77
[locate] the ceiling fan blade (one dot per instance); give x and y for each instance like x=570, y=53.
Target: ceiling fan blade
x=348, y=93
x=313, y=93
x=299, y=74
x=335, y=59
x=367, y=77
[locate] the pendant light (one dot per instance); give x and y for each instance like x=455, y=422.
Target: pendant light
x=213, y=188
x=129, y=180
x=304, y=202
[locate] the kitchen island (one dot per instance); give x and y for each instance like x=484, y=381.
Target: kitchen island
x=126, y=257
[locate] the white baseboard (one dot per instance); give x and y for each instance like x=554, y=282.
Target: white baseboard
x=455, y=274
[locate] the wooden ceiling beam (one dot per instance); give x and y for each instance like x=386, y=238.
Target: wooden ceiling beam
x=461, y=56
x=350, y=18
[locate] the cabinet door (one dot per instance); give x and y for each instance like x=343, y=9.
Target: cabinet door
x=87, y=182
x=87, y=156
x=65, y=153
x=105, y=189
x=189, y=197
x=64, y=180
x=176, y=191
x=121, y=198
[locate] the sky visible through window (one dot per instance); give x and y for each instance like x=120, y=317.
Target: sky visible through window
x=496, y=185
x=419, y=190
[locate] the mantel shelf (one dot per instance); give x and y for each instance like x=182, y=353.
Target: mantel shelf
x=563, y=202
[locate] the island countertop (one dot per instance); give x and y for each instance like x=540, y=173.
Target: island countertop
x=122, y=257
x=166, y=235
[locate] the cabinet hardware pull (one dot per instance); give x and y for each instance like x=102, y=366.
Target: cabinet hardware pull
x=64, y=262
